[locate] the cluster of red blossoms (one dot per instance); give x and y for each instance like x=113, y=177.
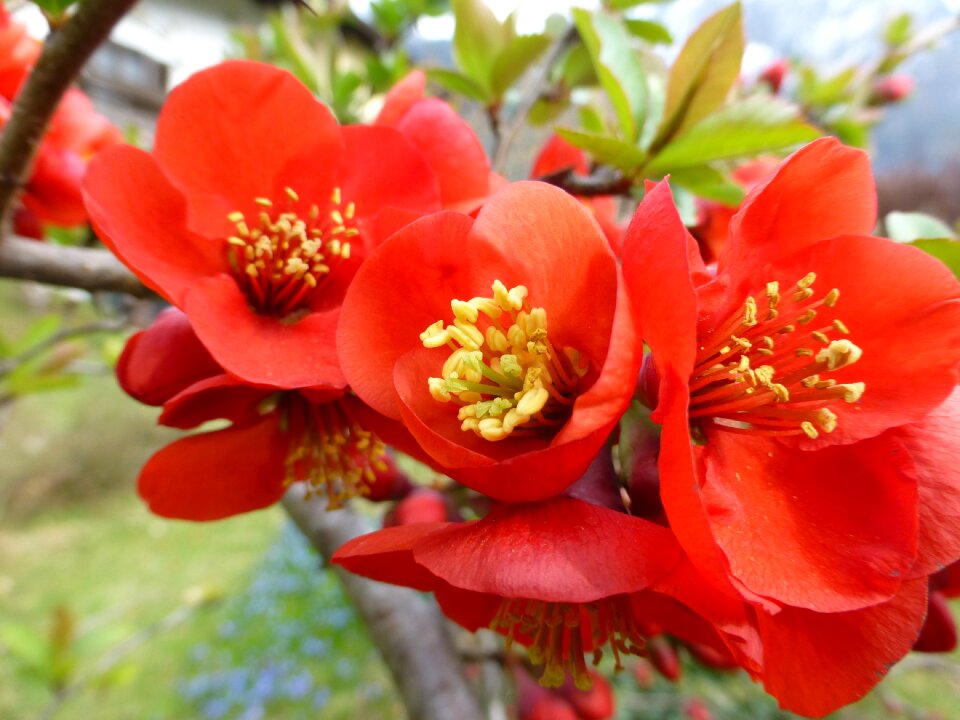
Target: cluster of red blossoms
x=76, y=132
x=332, y=297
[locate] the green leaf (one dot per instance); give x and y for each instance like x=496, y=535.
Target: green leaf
x=28, y=646
x=477, y=40
x=576, y=69
x=945, y=250
x=652, y=32
x=814, y=91
x=899, y=30
x=54, y=7
x=703, y=73
x=517, y=56
x=605, y=149
x=617, y=67
x=756, y=125
x=41, y=329
x=591, y=119
x=906, y=227
x=458, y=83
x=709, y=183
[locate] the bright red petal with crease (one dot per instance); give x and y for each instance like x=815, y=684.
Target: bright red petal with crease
x=468, y=609
x=553, y=246
x=823, y=190
x=902, y=308
x=142, y=219
x=242, y=130
x=934, y=447
x=815, y=663
x=383, y=170
x=217, y=474
x=562, y=550
x=166, y=358
x=402, y=96
x=452, y=149
x=387, y=555
x=656, y=268
x=829, y=530
x=263, y=349
x=376, y=328
x=219, y=397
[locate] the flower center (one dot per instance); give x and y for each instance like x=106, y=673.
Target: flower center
x=330, y=451
x=560, y=634
x=761, y=371
x=506, y=377
x=280, y=258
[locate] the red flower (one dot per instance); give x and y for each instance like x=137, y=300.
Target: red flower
x=76, y=132
x=512, y=394
x=276, y=437
x=801, y=371
x=563, y=577
x=557, y=155
x=534, y=702
x=451, y=147
x=252, y=214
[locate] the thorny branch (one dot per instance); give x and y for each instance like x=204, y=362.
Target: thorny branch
x=64, y=53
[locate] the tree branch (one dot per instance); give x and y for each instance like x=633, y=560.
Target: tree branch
x=408, y=632
x=600, y=182
x=64, y=53
x=75, y=267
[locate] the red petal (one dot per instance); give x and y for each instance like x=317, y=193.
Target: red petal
x=557, y=154
x=161, y=361
x=387, y=555
x=815, y=663
x=656, y=268
x=934, y=446
x=829, y=530
x=383, y=170
x=902, y=308
x=823, y=190
x=142, y=219
x=406, y=285
x=242, y=130
x=53, y=191
x=402, y=96
x=264, y=349
x=218, y=397
x=562, y=550
x=217, y=474
x=452, y=149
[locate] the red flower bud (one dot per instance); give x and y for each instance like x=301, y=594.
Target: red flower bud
x=774, y=74
x=891, y=89
x=421, y=506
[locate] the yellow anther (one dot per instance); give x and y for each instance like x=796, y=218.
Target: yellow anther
x=463, y=337
x=787, y=329
x=827, y=420
x=840, y=327
x=803, y=352
x=345, y=250
x=742, y=342
x=820, y=337
x=806, y=281
x=350, y=211
x=310, y=280
x=432, y=332
x=251, y=270
x=235, y=217
x=454, y=363
x=783, y=395
x=852, y=391
x=765, y=351
x=838, y=354
x=831, y=299
x=335, y=196
x=750, y=312
x=487, y=306
x=291, y=194
x=773, y=293
x=239, y=242
x=810, y=381
x=772, y=314
x=351, y=232
x=807, y=317
x=336, y=216
x=767, y=341
x=809, y=430
x=802, y=295
x=533, y=401
x=263, y=202
x=464, y=311
x=496, y=340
